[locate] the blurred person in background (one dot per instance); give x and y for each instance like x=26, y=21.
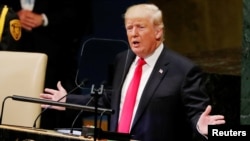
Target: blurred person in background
x=54, y=27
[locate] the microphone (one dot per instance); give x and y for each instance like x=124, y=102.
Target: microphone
x=63, y=104
x=78, y=86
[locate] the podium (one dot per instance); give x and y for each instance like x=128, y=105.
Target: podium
x=15, y=132
x=21, y=133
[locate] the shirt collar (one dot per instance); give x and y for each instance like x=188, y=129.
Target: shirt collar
x=151, y=59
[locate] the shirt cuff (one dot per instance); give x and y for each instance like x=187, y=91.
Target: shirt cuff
x=45, y=20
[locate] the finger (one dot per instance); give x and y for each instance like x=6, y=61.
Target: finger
x=60, y=87
x=25, y=26
x=45, y=96
x=59, y=84
x=220, y=122
x=217, y=122
x=208, y=110
x=50, y=91
x=45, y=106
x=217, y=117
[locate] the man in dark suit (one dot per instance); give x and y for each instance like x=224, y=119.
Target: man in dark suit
x=53, y=27
x=171, y=103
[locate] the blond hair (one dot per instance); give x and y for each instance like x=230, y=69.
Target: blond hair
x=146, y=11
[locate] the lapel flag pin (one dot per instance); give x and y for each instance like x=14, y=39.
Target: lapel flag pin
x=160, y=71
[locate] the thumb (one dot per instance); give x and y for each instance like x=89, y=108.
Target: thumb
x=208, y=110
x=59, y=86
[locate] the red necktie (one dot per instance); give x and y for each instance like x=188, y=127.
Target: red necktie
x=128, y=106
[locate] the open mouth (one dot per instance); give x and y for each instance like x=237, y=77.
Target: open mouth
x=135, y=43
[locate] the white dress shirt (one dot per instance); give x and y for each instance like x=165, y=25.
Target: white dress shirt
x=27, y=4
x=146, y=71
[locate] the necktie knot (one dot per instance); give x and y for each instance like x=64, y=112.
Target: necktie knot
x=141, y=62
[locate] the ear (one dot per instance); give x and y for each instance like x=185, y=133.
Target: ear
x=158, y=33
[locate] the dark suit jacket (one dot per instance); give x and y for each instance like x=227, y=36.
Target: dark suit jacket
x=172, y=100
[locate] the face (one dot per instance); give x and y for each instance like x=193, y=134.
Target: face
x=142, y=35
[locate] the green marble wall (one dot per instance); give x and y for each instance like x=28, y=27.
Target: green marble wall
x=245, y=81
x=202, y=25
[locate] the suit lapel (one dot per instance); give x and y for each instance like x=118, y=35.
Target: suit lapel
x=128, y=61
x=158, y=73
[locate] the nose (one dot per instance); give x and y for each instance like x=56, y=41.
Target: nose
x=135, y=32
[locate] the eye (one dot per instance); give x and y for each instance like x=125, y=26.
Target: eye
x=129, y=28
x=141, y=27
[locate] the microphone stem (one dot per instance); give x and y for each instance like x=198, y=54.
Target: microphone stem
x=95, y=121
x=96, y=94
x=1, y=116
x=73, y=123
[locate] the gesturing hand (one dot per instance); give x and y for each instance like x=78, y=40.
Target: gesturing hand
x=54, y=95
x=206, y=119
